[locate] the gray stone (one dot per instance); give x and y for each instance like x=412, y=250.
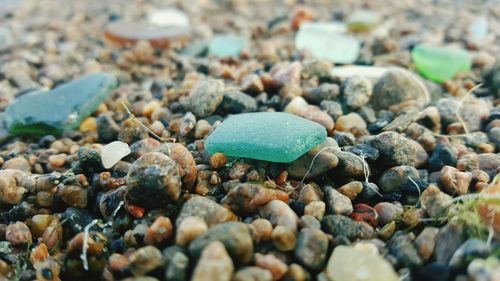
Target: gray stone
x=399, y=86
x=205, y=97
x=357, y=91
x=237, y=102
x=206, y=209
x=336, y=202
x=311, y=249
x=234, y=235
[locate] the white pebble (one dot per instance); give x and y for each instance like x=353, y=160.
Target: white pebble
x=114, y=152
x=169, y=17
x=370, y=72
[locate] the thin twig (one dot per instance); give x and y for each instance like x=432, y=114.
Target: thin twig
x=460, y=119
x=146, y=127
x=312, y=162
x=85, y=245
x=418, y=189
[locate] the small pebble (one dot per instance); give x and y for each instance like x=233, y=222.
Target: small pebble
x=271, y=263
x=214, y=264
x=189, y=229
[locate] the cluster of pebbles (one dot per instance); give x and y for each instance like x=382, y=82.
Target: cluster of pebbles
x=405, y=187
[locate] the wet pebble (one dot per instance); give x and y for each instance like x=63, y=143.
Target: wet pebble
x=189, y=229
x=205, y=97
x=153, y=180
x=396, y=87
x=214, y=263
x=398, y=178
x=308, y=221
x=312, y=247
x=351, y=122
x=263, y=229
x=234, y=235
x=351, y=189
x=208, y=210
x=271, y=263
x=177, y=267
x=402, y=248
x=246, y=198
x=107, y=129
x=279, y=213
x=237, y=102
x=441, y=156
x=17, y=163
x=434, y=201
x=324, y=156
x=472, y=248
x=396, y=150
x=144, y=260
x=426, y=241
x=357, y=91
x=336, y=202
x=338, y=225
x=448, y=240
x=387, y=212
x=315, y=209
x=252, y=273
x=453, y=181
x=18, y=234
x=159, y=232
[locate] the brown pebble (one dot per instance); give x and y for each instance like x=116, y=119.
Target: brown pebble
x=189, y=229
x=245, y=197
x=214, y=264
x=144, y=260
x=271, y=263
x=284, y=238
x=118, y=262
x=150, y=107
x=10, y=192
x=426, y=241
x=218, y=160
x=17, y=163
x=48, y=268
x=95, y=243
x=202, y=129
x=279, y=213
x=263, y=229
x=309, y=193
x=58, y=160
x=181, y=155
x=159, y=232
x=302, y=14
x=39, y=224
x=315, y=209
x=39, y=254
x=453, y=181
x=52, y=235
x=351, y=189
x=88, y=125
x=18, y=234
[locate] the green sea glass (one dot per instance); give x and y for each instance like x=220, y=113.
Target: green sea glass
x=226, y=46
x=269, y=136
x=327, y=43
x=63, y=108
x=440, y=64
